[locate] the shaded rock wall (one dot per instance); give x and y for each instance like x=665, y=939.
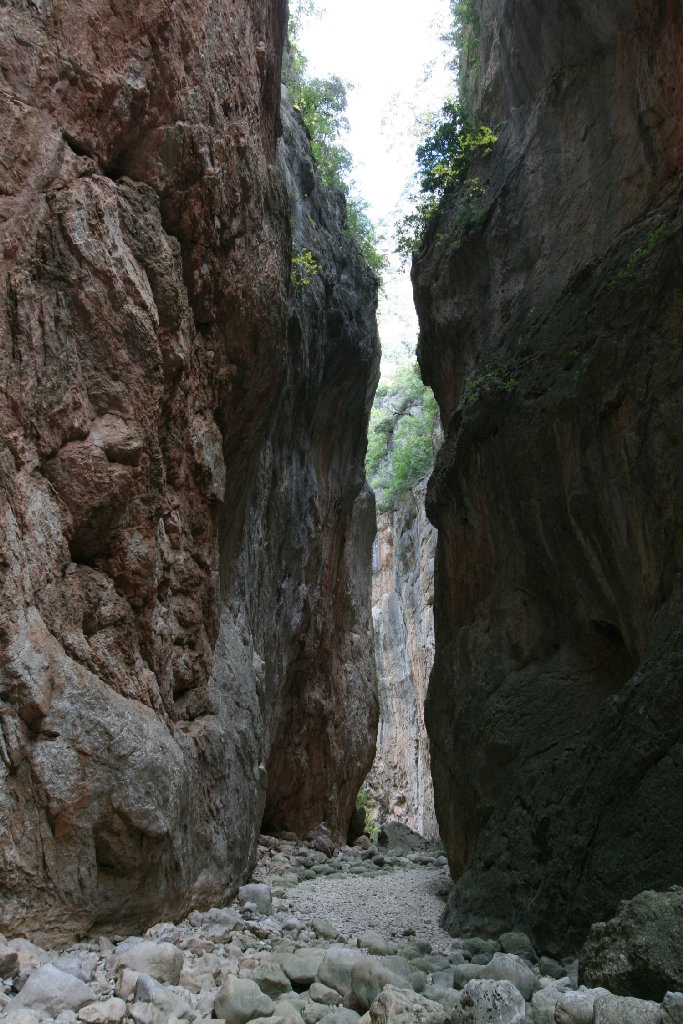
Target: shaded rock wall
x=178, y=536
x=402, y=597
x=554, y=703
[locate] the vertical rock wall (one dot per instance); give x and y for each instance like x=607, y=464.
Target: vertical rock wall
x=181, y=506
x=554, y=704
x=402, y=597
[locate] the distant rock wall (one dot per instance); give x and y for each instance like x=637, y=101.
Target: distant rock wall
x=183, y=520
x=554, y=704
x=400, y=782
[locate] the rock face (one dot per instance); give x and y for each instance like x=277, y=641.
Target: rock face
x=183, y=520
x=554, y=704
x=639, y=952
x=402, y=597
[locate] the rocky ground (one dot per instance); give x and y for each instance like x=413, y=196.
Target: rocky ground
x=318, y=935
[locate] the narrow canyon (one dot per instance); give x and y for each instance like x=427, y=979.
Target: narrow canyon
x=208, y=632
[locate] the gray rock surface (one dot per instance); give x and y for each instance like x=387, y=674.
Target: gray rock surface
x=111, y=1011
x=611, y=1009
x=638, y=952
x=240, y=1000
x=672, y=1008
x=258, y=894
x=400, y=1006
x=489, y=1002
x=544, y=1002
x=225, y=972
x=549, y=331
x=160, y=960
x=578, y=1007
x=509, y=967
x=49, y=991
x=369, y=976
x=402, y=597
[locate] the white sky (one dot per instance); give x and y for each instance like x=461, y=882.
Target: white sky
x=390, y=51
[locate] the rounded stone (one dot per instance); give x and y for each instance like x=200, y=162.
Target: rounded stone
x=240, y=1000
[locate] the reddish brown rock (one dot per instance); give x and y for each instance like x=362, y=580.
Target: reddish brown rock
x=149, y=358
x=554, y=703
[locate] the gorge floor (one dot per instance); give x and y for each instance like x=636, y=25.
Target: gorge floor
x=318, y=935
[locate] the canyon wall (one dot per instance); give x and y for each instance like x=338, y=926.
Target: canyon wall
x=400, y=782
x=550, y=331
x=185, y=532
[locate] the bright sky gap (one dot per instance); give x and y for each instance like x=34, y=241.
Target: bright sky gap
x=392, y=54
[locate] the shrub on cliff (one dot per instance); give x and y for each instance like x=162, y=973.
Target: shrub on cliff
x=322, y=103
x=444, y=162
x=400, y=436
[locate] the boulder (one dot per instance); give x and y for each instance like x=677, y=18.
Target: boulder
x=320, y=993
x=395, y=835
x=639, y=951
x=369, y=976
x=324, y=930
x=163, y=997
x=518, y=943
x=49, y=991
x=336, y=967
x=544, y=1002
x=302, y=967
x=240, y=1000
x=672, y=1008
x=161, y=960
x=611, y=1009
x=577, y=1006
x=401, y=1006
x=462, y=973
x=509, y=967
x=271, y=979
x=484, y=1001
x=376, y=943
x=258, y=894
x=9, y=962
x=111, y=1011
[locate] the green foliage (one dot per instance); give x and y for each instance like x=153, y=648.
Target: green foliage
x=640, y=254
x=360, y=227
x=304, y=268
x=464, y=37
x=412, y=452
x=400, y=436
x=365, y=801
x=322, y=103
x=492, y=375
x=379, y=433
x=444, y=158
x=444, y=161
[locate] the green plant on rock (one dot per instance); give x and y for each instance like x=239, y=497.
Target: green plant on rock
x=322, y=103
x=365, y=802
x=304, y=268
x=444, y=162
x=401, y=435
x=464, y=38
x=640, y=254
x=494, y=374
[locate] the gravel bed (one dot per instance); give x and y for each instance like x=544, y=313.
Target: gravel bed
x=388, y=903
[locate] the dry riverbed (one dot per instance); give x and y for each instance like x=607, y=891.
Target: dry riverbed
x=320, y=936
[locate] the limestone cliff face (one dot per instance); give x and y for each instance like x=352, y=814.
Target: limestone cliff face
x=402, y=597
x=182, y=508
x=554, y=704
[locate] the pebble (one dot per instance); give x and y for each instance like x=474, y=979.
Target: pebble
x=318, y=936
